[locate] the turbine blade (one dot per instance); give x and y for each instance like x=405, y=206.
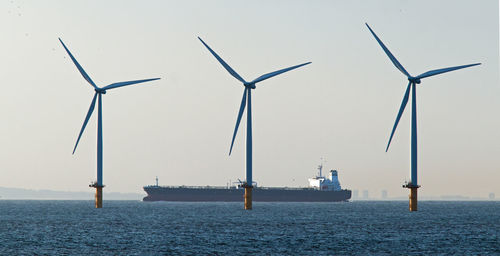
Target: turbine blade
x=389, y=54
x=444, y=70
x=275, y=73
x=401, y=110
x=84, y=74
x=224, y=64
x=89, y=114
x=120, y=84
x=240, y=114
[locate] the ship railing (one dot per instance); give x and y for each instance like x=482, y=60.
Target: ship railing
x=287, y=188
x=232, y=187
x=195, y=187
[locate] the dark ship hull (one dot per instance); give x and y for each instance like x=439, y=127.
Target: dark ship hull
x=223, y=194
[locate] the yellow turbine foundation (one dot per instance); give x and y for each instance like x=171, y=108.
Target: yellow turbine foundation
x=98, y=197
x=413, y=199
x=248, y=198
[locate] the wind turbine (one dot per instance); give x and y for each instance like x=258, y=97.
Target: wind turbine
x=99, y=91
x=247, y=102
x=413, y=81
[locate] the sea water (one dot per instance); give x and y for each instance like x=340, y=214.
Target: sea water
x=174, y=228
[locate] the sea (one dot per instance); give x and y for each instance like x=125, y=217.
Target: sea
x=174, y=228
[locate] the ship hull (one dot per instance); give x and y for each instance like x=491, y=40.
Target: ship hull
x=190, y=194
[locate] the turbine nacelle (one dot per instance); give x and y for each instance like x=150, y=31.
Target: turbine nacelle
x=100, y=90
x=414, y=80
x=249, y=85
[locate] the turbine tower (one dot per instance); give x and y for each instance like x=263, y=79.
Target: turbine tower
x=99, y=91
x=247, y=102
x=413, y=81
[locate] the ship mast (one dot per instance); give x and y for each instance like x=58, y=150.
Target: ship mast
x=320, y=168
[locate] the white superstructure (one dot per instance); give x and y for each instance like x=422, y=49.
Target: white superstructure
x=321, y=183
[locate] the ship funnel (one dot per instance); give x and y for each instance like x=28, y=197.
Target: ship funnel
x=335, y=180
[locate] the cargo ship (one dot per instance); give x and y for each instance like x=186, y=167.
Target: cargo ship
x=320, y=189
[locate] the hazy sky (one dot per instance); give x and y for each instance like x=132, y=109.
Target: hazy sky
x=341, y=107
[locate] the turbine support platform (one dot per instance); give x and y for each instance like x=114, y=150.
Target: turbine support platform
x=248, y=196
x=98, y=194
x=412, y=196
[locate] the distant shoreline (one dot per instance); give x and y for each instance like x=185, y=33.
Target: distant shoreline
x=30, y=194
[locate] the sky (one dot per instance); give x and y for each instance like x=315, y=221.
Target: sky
x=341, y=107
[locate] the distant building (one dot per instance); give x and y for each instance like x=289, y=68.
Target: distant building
x=491, y=196
x=355, y=194
x=384, y=194
x=365, y=194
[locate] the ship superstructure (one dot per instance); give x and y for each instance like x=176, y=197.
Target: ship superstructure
x=331, y=183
